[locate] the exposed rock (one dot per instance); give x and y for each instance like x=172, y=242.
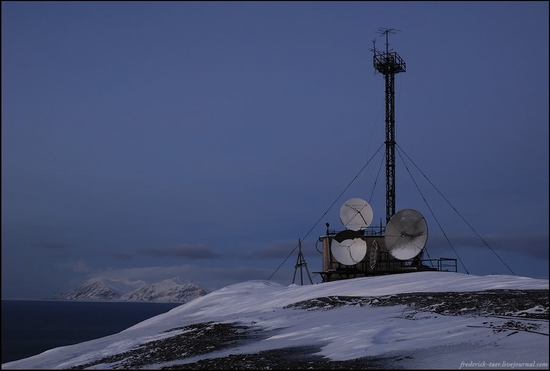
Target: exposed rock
x=211, y=337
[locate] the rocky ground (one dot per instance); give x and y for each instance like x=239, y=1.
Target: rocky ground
x=202, y=338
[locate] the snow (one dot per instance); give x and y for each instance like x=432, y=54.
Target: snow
x=118, y=285
x=420, y=339
x=113, y=289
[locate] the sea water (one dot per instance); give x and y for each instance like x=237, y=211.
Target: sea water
x=30, y=327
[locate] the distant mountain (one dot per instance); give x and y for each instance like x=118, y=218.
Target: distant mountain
x=167, y=291
x=99, y=288
x=109, y=289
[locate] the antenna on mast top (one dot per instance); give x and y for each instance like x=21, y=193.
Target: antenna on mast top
x=386, y=31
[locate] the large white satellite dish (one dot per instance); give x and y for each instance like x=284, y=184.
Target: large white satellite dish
x=356, y=214
x=406, y=234
x=349, y=252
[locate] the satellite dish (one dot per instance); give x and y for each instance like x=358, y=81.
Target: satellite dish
x=406, y=234
x=356, y=214
x=349, y=252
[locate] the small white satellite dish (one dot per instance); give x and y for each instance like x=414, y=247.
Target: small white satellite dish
x=349, y=252
x=356, y=214
x=406, y=234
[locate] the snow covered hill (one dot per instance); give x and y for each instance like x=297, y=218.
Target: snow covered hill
x=168, y=291
x=423, y=320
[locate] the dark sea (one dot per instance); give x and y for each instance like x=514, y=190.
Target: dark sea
x=30, y=327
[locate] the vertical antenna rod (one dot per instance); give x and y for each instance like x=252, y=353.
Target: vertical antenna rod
x=389, y=64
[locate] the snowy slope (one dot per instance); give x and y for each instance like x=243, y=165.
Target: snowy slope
x=374, y=319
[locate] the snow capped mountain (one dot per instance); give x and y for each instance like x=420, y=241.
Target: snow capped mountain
x=99, y=288
x=167, y=291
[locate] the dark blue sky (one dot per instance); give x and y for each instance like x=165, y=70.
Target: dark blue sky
x=148, y=140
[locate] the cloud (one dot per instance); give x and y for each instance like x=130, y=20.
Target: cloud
x=77, y=266
x=534, y=245
x=54, y=249
x=186, y=251
x=52, y=246
x=278, y=251
x=122, y=255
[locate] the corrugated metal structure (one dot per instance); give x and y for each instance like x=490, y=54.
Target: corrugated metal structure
x=377, y=260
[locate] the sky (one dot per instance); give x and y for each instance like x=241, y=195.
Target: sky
x=206, y=140
x=421, y=339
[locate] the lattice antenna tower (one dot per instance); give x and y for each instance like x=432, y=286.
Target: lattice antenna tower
x=301, y=262
x=389, y=63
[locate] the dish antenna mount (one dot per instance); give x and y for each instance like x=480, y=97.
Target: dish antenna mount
x=406, y=234
x=356, y=214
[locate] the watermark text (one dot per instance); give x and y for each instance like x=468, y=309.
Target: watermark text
x=503, y=364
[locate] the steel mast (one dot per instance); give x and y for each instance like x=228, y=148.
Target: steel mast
x=389, y=63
